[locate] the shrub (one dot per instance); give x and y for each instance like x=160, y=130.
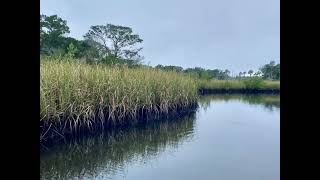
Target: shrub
x=254, y=82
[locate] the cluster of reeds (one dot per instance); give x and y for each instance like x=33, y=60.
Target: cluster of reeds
x=75, y=94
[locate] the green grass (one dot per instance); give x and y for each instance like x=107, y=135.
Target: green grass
x=257, y=83
x=220, y=84
x=271, y=85
x=84, y=93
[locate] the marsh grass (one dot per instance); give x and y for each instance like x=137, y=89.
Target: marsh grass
x=75, y=95
x=220, y=84
x=271, y=84
x=250, y=83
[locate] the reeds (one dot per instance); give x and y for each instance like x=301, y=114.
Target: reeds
x=74, y=94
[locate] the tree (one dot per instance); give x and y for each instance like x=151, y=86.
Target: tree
x=72, y=50
x=91, y=50
x=257, y=73
x=53, y=25
x=52, y=29
x=159, y=66
x=250, y=72
x=118, y=41
x=271, y=71
x=226, y=72
x=214, y=73
x=277, y=72
x=240, y=74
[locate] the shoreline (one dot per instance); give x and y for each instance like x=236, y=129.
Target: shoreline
x=52, y=133
x=78, y=98
x=64, y=131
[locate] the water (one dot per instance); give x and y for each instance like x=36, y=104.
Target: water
x=229, y=137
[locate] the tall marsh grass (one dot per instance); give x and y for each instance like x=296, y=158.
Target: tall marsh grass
x=74, y=94
x=250, y=83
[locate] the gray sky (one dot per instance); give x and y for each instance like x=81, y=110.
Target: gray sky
x=228, y=34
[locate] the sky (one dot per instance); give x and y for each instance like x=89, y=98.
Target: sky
x=227, y=34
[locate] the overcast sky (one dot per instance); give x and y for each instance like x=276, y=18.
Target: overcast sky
x=227, y=34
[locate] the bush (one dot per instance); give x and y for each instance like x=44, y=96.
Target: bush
x=254, y=82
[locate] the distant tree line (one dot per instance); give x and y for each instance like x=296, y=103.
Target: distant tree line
x=199, y=72
x=269, y=71
x=118, y=45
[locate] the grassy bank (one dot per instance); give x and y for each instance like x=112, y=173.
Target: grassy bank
x=251, y=86
x=253, y=83
x=75, y=95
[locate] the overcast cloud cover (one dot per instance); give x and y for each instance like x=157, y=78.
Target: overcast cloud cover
x=227, y=34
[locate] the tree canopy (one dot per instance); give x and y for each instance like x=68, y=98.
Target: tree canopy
x=117, y=41
x=118, y=45
x=271, y=70
x=52, y=30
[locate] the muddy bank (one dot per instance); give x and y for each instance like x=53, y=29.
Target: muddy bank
x=203, y=91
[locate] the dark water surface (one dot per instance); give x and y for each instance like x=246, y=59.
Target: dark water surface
x=230, y=137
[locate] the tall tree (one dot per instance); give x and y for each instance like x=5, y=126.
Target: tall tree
x=271, y=71
x=118, y=41
x=52, y=29
x=240, y=74
x=257, y=73
x=226, y=74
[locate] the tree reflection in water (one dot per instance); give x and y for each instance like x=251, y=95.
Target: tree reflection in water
x=269, y=102
x=109, y=153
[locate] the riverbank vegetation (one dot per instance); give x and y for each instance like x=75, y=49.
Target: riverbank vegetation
x=249, y=83
x=118, y=45
x=102, y=81
x=74, y=94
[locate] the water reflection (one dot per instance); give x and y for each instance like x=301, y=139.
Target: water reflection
x=108, y=154
x=269, y=102
x=212, y=144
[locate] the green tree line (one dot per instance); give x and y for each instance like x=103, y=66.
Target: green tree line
x=108, y=43
x=119, y=45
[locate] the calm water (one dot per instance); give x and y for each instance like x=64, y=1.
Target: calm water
x=229, y=137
